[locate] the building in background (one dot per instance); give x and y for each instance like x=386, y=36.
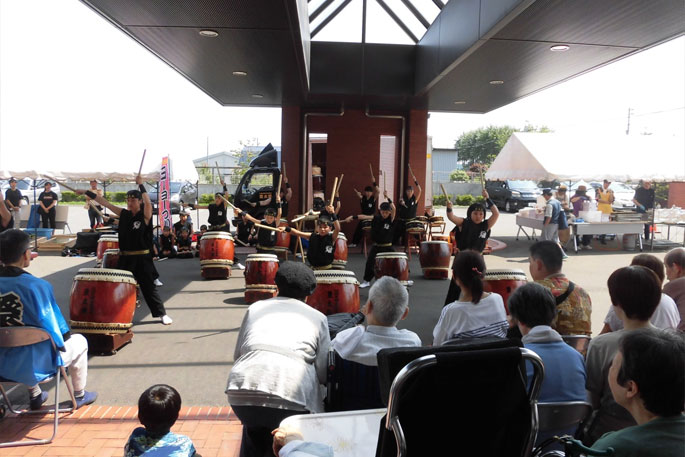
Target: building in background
x=444, y=162
x=206, y=166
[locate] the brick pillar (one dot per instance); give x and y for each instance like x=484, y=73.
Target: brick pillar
x=417, y=137
x=291, y=153
x=676, y=194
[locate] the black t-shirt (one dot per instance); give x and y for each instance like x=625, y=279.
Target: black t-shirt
x=134, y=234
x=183, y=242
x=178, y=227
x=645, y=197
x=267, y=238
x=321, y=250
x=166, y=242
x=473, y=236
x=47, y=198
x=381, y=229
x=243, y=228
x=13, y=196
x=409, y=211
x=217, y=214
x=368, y=205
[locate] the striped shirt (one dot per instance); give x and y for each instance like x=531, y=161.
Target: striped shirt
x=468, y=320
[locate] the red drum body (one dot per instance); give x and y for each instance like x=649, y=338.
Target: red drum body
x=283, y=238
x=216, y=255
x=336, y=292
x=503, y=282
x=110, y=259
x=435, y=259
x=102, y=300
x=106, y=241
x=393, y=264
x=317, y=183
x=340, y=253
x=260, y=277
x=438, y=237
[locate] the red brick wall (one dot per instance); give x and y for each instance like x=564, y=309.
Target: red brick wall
x=676, y=194
x=291, y=150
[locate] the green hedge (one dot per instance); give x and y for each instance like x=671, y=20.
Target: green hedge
x=113, y=197
x=458, y=200
x=206, y=199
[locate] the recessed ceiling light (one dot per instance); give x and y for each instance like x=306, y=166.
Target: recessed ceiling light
x=460, y=102
x=209, y=33
x=560, y=48
x=239, y=73
x=257, y=96
x=496, y=82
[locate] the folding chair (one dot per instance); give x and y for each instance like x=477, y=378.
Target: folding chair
x=351, y=385
x=483, y=394
x=17, y=337
x=559, y=418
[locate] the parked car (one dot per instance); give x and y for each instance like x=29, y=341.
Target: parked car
x=180, y=194
x=511, y=195
x=27, y=187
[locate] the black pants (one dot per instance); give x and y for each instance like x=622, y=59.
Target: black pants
x=143, y=269
x=371, y=260
x=400, y=232
x=586, y=240
x=647, y=231
x=47, y=218
x=258, y=422
x=94, y=217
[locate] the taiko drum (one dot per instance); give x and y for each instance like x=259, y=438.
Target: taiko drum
x=216, y=255
x=337, y=291
x=102, y=300
x=260, y=277
x=283, y=238
x=340, y=253
x=106, y=241
x=503, y=282
x=110, y=259
x=393, y=264
x=435, y=259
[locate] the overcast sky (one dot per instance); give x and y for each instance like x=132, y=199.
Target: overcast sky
x=77, y=94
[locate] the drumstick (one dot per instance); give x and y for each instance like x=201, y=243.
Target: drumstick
x=227, y=202
x=298, y=218
x=410, y=171
x=60, y=183
x=94, y=205
x=335, y=184
x=278, y=190
x=241, y=242
x=482, y=183
x=141, y=162
x=370, y=168
x=267, y=227
x=284, y=173
x=337, y=191
x=221, y=180
x=444, y=192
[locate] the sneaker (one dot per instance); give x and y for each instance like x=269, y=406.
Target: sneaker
x=364, y=285
x=351, y=245
x=564, y=257
x=86, y=399
x=158, y=282
x=410, y=283
x=587, y=248
x=240, y=266
x=166, y=320
x=36, y=402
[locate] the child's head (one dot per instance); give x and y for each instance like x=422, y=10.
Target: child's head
x=385, y=210
x=184, y=233
x=270, y=215
x=203, y=228
x=158, y=408
x=166, y=230
x=324, y=226
x=467, y=271
x=368, y=191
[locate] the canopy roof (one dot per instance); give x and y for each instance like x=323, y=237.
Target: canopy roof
x=112, y=176
x=549, y=156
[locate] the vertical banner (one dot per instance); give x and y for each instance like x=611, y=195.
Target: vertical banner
x=163, y=202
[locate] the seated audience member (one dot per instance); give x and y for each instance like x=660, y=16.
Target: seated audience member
x=675, y=287
x=158, y=409
x=647, y=378
x=635, y=292
x=666, y=315
x=30, y=301
x=281, y=358
x=387, y=304
x=476, y=313
x=167, y=243
x=289, y=442
x=574, y=312
x=184, y=244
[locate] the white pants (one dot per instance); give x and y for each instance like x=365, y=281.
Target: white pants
x=550, y=232
x=76, y=359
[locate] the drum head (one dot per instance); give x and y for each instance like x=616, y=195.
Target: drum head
x=435, y=242
x=109, y=237
x=112, y=251
x=391, y=255
x=262, y=258
x=105, y=275
x=335, y=277
x=217, y=236
x=504, y=274
x=215, y=263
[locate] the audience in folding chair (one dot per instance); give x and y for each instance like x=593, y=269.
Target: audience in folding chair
x=647, y=378
x=475, y=313
x=27, y=300
x=635, y=292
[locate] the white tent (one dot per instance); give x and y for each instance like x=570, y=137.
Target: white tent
x=112, y=176
x=549, y=156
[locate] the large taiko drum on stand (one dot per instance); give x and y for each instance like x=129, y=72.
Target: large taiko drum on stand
x=503, y=282
x=415, y=225
x=216, y=255
x=282, y=246
x=435, y=259
x=337, y=291
x=106, y=241
x=110, y=259
x=340, y=253
x=101, y=307
x=260, y=277
x=393, y=264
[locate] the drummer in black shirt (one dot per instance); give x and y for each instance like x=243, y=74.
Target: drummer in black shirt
x=322, y=242
x=47, y=200
x=13, y=198
x=382, y=227
x=266, y=239
x=407, y=207
x=368, y=204
x=135, y=243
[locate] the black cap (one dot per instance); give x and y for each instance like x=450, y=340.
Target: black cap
x=546, y=191
x=385, y=206
x=270, y=212
x=13, y=180
x=295, y=280
x=134, y=193
x=324, y=218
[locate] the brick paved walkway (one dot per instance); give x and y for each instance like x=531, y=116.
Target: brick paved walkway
x=102, y=431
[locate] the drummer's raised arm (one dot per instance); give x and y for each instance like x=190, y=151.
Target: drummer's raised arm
x=147, y=209
x=450, y=215
x=100, y=200
x=493, y=208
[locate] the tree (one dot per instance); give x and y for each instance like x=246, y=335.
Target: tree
x=483, y=145
x=244, y=161
x=459, y=176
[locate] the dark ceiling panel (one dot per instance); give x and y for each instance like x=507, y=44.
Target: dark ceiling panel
x=427, y=56
x=336, y=68
x=458, y=30
x=389, y=69
x=493, y=11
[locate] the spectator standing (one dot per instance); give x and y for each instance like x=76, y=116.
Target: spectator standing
x=93, y=208
x=644, y=200
x=577, y=201
x=550, y=229
x=47, y=201
x=605, y=197
x=13, y=198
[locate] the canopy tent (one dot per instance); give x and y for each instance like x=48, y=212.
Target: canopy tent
x=112, y=176
x=549, y=156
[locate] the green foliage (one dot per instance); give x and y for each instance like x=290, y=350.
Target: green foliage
x=116, y=196
x=239, y=172
x=661, y=194
x=459, y=176
x=206, y=199
x=458, y=200
x=439, y=200
x=68, y=196
x=464, y=200
x=482, y=145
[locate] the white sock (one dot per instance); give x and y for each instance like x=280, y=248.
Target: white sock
x=35, y=391
x=79, y=393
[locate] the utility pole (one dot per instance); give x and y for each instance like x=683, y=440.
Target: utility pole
x=630, y=111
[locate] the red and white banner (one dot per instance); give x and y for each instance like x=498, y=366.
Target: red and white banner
x=163, y=202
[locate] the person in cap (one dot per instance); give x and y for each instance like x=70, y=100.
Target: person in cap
x=13, y=198
x=368, y=202
x=93, y=208
x=382, y=229
x=218, y=211
x=280, y=360
x=471, y=232
x=644, y=200
x=266, y=238
x=135, y=243
x=561, y=194
x=407, y=210
x=47, y=201
x=550, y=226
x=184, y=222
x=577, y=201
x=322, y=242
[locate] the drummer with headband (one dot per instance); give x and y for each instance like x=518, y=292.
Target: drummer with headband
x=266, y=238
x=471, y=232
x=217, y=219
x=408, y=206
x=135, y=243
x=382, y=227
x=322, y=242
x=368, y=202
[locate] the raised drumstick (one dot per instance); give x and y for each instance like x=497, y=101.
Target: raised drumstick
x=337, y=190
x=273, y=229
x=141, y=162
x=335, y=184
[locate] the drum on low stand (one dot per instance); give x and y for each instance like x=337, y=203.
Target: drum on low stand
x=216, y=255
x=415, y=226
x=435, y=259
x=393, y=264
x=101, y=307
x=503, y=282
x=106, y=241
x=282, y=247
x=337, y=291
x=260, y=277
x=340, y=253
x=110, y=259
